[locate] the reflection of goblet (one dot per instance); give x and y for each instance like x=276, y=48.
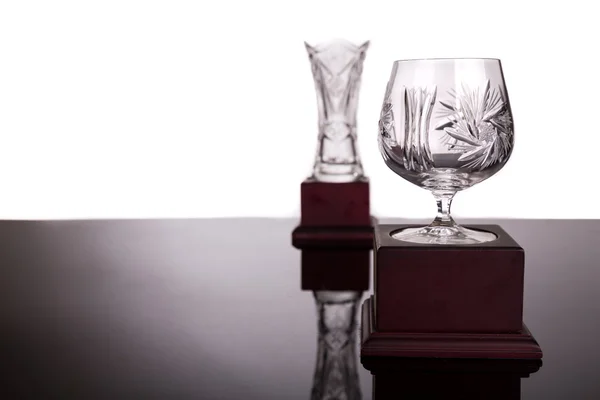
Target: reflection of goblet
x=445, y=125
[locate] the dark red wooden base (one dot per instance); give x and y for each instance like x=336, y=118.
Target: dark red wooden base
x=446, y=378
x=334, y=216
x=335, y=204
x=334, y=237
x=520, y=345
x=441, y=288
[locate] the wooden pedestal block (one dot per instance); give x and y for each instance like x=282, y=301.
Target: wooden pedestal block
x=376, y=343
x=447, y=301
x=335, y=204
x=334, y=215
x=445, y=378
x=439, y=288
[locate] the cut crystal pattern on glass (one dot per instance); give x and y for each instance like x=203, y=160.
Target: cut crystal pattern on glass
x=337, y=68
x=446, y=125
x=336, y=374
x=478, y=126
x=387, y=128
x=386, y=122
x=418, y=105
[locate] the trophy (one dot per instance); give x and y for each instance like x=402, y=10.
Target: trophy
x=335, y=198
x=446, y=290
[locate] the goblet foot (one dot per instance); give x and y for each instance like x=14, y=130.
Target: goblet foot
x=444, y=235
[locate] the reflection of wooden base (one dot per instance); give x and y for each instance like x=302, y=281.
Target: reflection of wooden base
x=395, y=365
x=324, y=269
x=519, y=345
x=475, y=386
x=443, y=378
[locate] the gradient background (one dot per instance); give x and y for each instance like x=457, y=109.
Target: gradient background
x=123, y=108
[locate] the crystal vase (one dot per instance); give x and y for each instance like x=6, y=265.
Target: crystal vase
x=337, y=68
x=336, y=375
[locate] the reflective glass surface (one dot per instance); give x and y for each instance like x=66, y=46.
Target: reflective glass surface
x=212, y=309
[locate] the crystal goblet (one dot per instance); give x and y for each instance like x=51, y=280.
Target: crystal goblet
x=446, y=125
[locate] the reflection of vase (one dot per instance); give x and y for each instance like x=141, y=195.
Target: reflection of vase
x=336, y=376
x=337, y=68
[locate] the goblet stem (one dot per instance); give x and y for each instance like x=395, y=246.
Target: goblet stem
x=444, y=201
x=443, y=229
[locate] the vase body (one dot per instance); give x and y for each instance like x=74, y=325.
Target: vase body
x=337, y=68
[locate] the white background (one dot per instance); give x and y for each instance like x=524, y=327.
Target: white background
x=207, y=108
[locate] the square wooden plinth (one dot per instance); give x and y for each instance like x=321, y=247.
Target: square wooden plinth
x=425, y=288
x=335, y=204
x=334, y=216
x=376, y=343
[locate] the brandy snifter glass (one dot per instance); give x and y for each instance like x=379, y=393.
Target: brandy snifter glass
x=446, y=125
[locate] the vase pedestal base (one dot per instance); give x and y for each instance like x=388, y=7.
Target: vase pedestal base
x=334, y=204
x=335, y=235
x=334, y=215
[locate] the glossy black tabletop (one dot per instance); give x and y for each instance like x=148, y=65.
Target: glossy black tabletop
x=212, y=309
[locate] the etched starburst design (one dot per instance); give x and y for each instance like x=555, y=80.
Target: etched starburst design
x=478, y=124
